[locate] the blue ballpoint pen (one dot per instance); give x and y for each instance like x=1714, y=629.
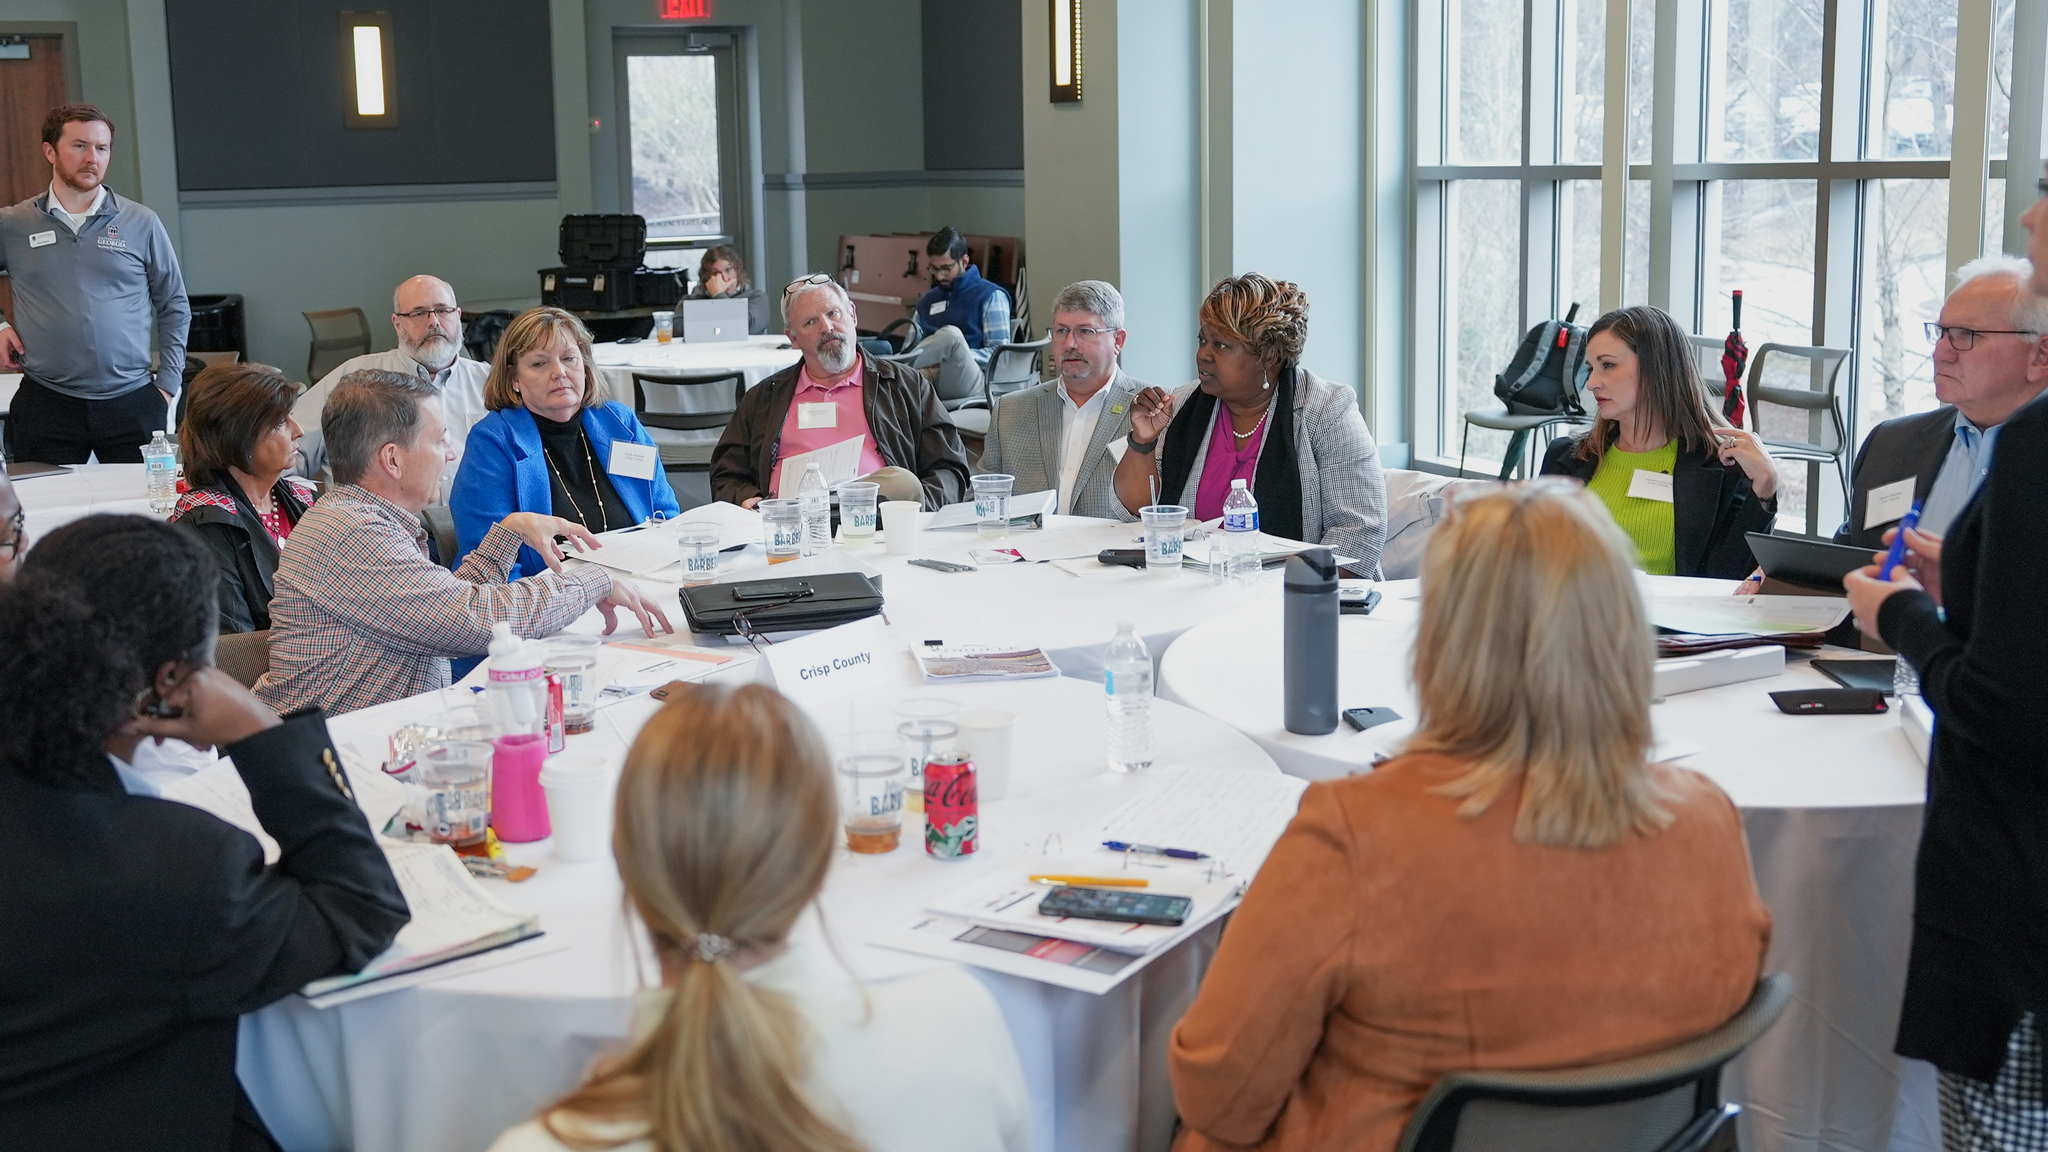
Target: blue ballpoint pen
x=1907, y=523
x=1151, y=850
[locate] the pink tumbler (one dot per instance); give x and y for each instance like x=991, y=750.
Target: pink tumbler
x=519, y=807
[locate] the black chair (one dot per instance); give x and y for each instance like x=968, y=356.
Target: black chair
x=686, y=429
x=440, y=523
x=1668, y=1101
x=338, y=335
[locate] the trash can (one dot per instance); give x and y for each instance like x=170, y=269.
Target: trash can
x=217, y=325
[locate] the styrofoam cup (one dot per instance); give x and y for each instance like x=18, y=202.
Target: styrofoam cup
x=579, y=805
x=986, y=735
x=899, y=524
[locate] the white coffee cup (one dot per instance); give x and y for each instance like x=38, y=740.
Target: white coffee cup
x=986, y=735
x=579, y=792
x=899, y=524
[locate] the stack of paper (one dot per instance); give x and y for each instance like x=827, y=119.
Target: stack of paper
x=452, y=917
x=649, y=548
x=1747, y=615
x=958, y=662
x=1030, y=506
x=839, y=462
x=1194, y=553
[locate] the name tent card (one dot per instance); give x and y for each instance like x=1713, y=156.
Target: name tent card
x=825, y=667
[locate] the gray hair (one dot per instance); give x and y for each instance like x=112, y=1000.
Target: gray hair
x=2029, y=311
x=368, y=409
x=1098, y=297
x=789, y=299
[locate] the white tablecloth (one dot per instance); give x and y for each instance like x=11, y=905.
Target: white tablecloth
x=54, y=500
x=449, y=1064
x=756, y=357
x=1832, y=808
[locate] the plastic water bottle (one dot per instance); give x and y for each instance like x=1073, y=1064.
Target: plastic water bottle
x=160, y=460
x=516, y=686
x=1240, y=542
x=814, y=504
x=1128, y=679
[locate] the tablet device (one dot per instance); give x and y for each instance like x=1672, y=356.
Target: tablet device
x=1859, y=673
x=1816, y=564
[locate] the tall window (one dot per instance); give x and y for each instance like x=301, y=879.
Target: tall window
x=1817, y=185
x=678, y=131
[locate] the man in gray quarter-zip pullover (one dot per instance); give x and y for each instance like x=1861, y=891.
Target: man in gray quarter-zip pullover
x=94, y=279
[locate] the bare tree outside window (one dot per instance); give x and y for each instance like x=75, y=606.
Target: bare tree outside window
x=674, y=107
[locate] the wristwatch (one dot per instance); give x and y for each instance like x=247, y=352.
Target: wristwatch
x=1141, y=447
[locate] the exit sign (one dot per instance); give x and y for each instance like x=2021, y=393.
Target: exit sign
x=685, y=9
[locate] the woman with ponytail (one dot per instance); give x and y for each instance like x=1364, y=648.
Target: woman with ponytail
x=757, y=1041
x=1255, y=414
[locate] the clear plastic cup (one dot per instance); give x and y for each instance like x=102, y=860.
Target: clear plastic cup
x=782, y=529
x=1164, y=524
x=858, y=513
x=664, y=327
x=986, y=735
x=456, y=777
x=924, y=724
x=871, y=793
x=574, y=659
x=699, y=544
x=992, y=504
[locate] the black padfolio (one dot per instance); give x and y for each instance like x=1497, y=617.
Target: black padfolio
x=832, y=598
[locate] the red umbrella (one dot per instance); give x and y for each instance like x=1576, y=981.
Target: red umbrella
x=1734, y=358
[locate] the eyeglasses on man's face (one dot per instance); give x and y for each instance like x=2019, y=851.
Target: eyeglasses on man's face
x=1085, y=335
x=436, y=314
x=1963, y=339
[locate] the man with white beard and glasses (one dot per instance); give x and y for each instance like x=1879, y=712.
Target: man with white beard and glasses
x=429, y=326
x=836, y=393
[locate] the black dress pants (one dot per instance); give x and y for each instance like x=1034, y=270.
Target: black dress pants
x=47, y=426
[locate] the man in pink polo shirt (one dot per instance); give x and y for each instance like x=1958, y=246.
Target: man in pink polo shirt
x=835, y=394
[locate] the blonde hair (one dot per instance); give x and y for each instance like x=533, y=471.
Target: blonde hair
x=1532, y=662
x=1269, y=317
x=542, y=327
x=726, y=822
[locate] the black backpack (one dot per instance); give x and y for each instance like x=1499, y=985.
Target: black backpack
x=1548, y=370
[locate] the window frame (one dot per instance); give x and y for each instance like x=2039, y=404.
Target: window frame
x=723, y=47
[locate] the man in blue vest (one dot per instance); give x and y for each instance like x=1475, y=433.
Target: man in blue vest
x=961, y=321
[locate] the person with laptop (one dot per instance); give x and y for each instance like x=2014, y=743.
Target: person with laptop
x=721, y=276
x=1990, y=360
x=835, y=394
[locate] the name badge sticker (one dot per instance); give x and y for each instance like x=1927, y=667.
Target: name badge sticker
x=39, y=239
x=633, y=461
x=1648, y=485
x=1888, y=502
x=939, y=307
x=820, y=415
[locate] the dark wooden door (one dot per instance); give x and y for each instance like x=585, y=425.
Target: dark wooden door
x=28, y=90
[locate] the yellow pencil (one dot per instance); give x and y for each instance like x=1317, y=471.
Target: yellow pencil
x=1095, y=881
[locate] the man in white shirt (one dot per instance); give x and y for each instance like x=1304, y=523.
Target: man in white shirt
x=429, y=326
x=1066, y=434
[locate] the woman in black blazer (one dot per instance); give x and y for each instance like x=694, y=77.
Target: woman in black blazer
x=1977, y=978
x=1653, y=416
x=134, y=931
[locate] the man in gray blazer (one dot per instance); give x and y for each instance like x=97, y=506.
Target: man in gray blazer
x=1990, y=360
x=1058, y=434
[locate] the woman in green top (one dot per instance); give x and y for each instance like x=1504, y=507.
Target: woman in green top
x=1681, y=483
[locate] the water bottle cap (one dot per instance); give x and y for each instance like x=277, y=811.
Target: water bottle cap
x=1237, y=483
x=1126, y=626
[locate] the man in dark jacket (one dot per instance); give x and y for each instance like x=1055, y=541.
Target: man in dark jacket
x=838, y=393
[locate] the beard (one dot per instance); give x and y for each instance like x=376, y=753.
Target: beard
x=434, y=351
x=835, y=354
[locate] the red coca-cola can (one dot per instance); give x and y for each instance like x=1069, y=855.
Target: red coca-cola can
x=952, y=807
x=558, y=736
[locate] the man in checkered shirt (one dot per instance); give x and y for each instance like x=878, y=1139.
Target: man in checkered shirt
x=361, y=616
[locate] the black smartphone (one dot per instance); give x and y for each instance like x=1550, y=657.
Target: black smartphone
x=1119, y=904
x=1830, y=701
x=778, y=590
x=1358, y=605
x=1363, y=718
x=1127, y=557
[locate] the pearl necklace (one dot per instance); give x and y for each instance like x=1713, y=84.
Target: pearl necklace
x=1244, y=436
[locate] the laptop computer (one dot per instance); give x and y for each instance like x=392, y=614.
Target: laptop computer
x=710, y=320
x=1806, y=563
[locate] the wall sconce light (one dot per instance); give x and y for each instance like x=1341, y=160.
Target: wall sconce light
x=1066, y=51
x=366, y=71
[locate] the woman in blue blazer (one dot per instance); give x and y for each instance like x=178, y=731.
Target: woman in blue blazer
x=553, y=444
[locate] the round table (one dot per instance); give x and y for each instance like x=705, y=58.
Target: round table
x=1072, y=614
x=1831, y=804
x=451, y=1063
x=53, y=500
x=755, y=358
